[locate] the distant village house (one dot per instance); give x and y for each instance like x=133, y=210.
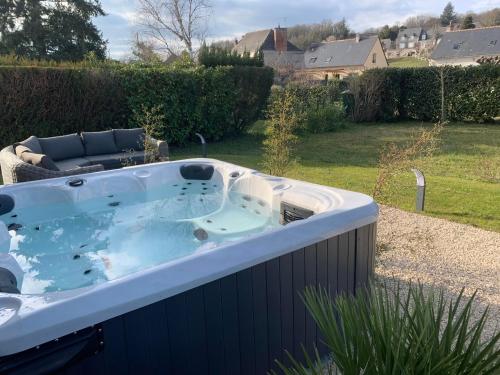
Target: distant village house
x=414, y=41
x=275, y=47
x=468, y=47
x=341, y=58
x=331, y=59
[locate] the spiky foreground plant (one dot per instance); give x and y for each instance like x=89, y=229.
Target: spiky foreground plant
x=383, y=332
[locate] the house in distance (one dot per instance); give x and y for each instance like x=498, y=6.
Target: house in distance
x=276, y=49
x=468, y=47
x=330, y=59
x=341, y=58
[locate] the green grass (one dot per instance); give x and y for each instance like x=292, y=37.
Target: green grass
x=407, y=62
x=456, y=186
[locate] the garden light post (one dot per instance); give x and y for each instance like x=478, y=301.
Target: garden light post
x=203, y=145
x=420, y=189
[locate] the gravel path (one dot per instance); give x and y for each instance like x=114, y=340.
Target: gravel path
x=435, y=251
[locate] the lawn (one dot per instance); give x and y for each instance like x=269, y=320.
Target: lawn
x=458, y=184
x=407, y=62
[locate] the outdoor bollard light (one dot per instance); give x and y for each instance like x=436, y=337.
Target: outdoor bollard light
x=203, y=145
x=420, y=189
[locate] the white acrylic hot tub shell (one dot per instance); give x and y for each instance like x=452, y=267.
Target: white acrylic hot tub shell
x=29, y=320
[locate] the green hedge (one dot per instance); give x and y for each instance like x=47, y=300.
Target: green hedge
x=319, y=107
x=216, y=56
x=54, y=101
x=471, y=93
x=314, y=96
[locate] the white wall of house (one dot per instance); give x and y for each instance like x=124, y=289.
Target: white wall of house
x=465, y=61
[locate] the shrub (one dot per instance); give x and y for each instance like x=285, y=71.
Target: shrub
x=53, y=101
x=151, y=120
x=384, y=332
x=216, y=56
x=90, y=60
x=283, y=120
x=469, y=93
x=366, y=98
x=395, y=160
x=317, y=95
x=321, y=106
x=327, y=118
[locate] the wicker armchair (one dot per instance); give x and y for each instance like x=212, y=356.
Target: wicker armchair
x=15, y=170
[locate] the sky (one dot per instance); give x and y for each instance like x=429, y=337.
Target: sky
x=231, y=19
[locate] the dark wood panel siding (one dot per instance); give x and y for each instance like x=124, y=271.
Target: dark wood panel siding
x=239, y=324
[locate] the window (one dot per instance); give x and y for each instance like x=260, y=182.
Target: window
x=374, y=58
x=329, y=59
x=312, y=60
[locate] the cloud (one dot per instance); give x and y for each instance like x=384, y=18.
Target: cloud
x=233, y=18
x=118, y=31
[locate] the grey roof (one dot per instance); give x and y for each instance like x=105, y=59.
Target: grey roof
x=293, y=59
x=468, y=43
x=338, y=53
x=259, y=40
x=416, y=31
x=252, y=42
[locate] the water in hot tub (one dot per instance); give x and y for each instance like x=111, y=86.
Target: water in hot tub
x=67, y=246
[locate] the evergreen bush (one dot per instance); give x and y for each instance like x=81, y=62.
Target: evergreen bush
x=216, y=56
x=470, y=93
x=49, y=101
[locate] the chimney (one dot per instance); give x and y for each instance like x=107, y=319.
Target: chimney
x=357, y=38
x=280, y=39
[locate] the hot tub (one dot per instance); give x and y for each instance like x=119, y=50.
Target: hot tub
x=193, y=266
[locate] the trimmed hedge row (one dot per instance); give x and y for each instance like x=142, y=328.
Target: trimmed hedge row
x=318, y=107
x=54, y=101
x=315, y=96
x=471, y=93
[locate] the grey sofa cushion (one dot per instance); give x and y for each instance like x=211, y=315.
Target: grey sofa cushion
x=38, y=160
x=129, y=139
x=99, y=143
x=68, y=164
x=63, y=147
x=32, y=143
x=117, y=160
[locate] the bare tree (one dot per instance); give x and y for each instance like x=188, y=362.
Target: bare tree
x=174, y=22
x=144, y=51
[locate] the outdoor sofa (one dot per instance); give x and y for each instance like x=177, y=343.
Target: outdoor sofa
x=67, y=155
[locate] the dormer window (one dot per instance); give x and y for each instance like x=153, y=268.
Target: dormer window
x=312, y=60
x=492, y=43
x=329, y=59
